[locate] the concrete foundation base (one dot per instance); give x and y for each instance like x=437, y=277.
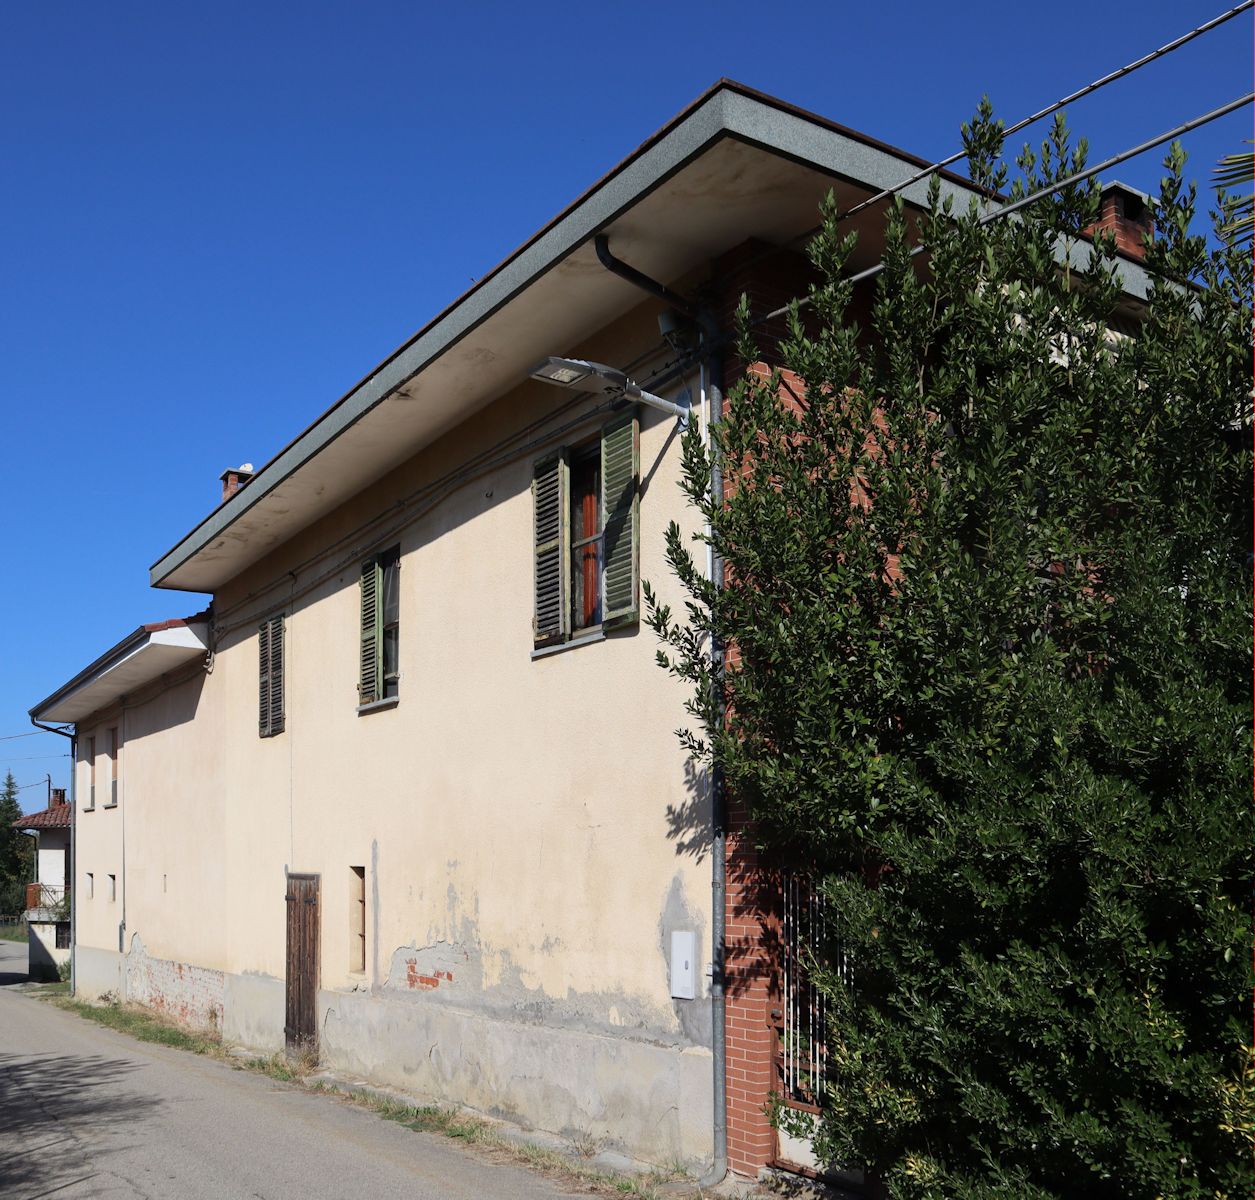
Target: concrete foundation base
x=98, y=974
x=650, y=1101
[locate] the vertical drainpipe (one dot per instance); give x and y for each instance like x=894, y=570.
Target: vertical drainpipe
x=709, y=325
x=73, y=880
x=718, y=807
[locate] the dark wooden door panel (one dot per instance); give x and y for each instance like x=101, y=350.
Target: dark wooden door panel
x=301, y=1018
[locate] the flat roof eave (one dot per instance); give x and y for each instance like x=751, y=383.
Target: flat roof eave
x=138, y=659
x=727, y=110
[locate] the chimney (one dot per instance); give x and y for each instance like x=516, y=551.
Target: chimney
x=1127, y=213
x=234, y=478
x=58, y=797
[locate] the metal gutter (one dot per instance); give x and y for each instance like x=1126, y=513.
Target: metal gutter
x=726, y=110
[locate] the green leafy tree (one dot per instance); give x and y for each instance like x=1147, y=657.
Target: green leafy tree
x=989, y=597
x=1235, y=170
x=16, y=850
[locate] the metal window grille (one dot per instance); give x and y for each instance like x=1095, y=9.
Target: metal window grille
x=804, y=1018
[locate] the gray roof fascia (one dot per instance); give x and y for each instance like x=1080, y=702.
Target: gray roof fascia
x=726, y=111
x=638, y=177
x=798, y=136
x=789, y=132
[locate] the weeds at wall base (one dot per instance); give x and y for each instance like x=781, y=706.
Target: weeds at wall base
x=146, y=1026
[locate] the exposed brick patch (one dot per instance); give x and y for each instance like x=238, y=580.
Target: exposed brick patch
x=415, y=979
x=191, y=995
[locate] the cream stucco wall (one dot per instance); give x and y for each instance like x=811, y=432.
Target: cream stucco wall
x=51, y=856
x=530, y=829
x=98, y=839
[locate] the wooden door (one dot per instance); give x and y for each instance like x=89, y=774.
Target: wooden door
x=301, y=1020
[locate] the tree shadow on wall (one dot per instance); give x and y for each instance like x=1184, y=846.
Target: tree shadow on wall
x=752, y=942
x=47, y=1102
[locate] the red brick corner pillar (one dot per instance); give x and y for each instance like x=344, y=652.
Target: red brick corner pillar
x=751, y=995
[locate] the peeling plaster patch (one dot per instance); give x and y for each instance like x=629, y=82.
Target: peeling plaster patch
x=450, y=965
x=425, y=968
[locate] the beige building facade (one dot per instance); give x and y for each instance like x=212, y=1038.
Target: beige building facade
x=408, y=792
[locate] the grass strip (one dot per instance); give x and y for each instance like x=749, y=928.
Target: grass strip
x=478, y=1132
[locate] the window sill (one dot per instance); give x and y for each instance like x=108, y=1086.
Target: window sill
x=113, y=805
x=378, y=705
x=584, y=639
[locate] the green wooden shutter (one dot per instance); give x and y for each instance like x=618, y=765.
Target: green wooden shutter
x=551, y=618
x=369, y=687
x=263, y=679
x=620, y=475
x=276, y=674
x=270, y=676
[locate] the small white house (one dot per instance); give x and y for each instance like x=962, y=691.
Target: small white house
x=48, y=898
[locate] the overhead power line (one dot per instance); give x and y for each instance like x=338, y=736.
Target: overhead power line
x=667, y=374
x=1050, y=109
x=1005, y=210
x=12, y=737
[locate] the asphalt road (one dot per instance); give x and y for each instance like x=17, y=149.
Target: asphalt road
x=88, y=1112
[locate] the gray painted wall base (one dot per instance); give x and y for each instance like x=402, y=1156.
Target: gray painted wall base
x=98, y=974
x=651, y=1101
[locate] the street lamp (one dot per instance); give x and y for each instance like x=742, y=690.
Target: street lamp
x=597, y=377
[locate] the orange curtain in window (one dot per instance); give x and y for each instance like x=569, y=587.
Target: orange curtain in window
x=588, y=556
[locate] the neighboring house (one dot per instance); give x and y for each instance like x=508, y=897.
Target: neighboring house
x=48, y=898
x=409, y=792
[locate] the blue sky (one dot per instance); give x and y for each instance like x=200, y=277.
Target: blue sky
x=216, y=219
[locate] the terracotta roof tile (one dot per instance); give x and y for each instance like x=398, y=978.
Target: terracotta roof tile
x=176, y=622
x=59, y=816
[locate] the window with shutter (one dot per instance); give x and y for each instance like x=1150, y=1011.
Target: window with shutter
x=550, y=621
x=270, y=676
x=379, y=676
x=585, y=518
x=620, y=475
